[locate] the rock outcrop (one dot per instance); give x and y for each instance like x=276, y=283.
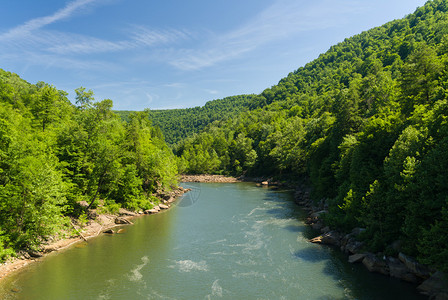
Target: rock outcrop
x=329, y=238
x=435, y=286
x=402, y=267
x=120, y=220
x=375, y=264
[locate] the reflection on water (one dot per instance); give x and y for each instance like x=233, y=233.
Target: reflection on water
x=226, y=241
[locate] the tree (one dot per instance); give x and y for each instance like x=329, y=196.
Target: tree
x=84, y=98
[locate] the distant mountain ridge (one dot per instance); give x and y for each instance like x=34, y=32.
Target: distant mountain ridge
x=367, y=124
x=177, y=124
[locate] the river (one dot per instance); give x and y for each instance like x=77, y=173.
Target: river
x=221, y=241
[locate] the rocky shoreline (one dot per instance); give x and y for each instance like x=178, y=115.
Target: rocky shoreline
x=209, y=178
x=429, y=282
x=96, y=225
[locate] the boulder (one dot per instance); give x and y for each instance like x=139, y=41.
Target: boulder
x=163, y=206
x=415, y=267
x=35, y=254
x=120, y=220
x=83, y=204
x=265, y=182
x=356, y=258
x=398, y=270
x=125, y=212
x=375, y=264
x=329, y=238
x=109, y=231
x=353, y=246
x=318, y=214
x=121, y=230
x=151, y=211
x=435, y=286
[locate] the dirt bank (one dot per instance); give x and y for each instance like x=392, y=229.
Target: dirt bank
x=96, y=226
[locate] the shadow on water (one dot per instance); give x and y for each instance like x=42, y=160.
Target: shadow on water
x=294, y=228
x=311, y=254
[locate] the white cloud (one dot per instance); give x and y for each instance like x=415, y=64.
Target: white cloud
x=283, y=19
x=149, y=37
x=31, y=40
x=35, y=24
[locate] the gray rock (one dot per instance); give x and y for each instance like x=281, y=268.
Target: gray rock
x=415, y=267
x=163, y=206
x=120, y=220
x=353, y=246
x=356, y=258
x=125, y=212
x=398, y=270
x=441, y=296
x=83, y=204
x=318, y=214
x=35, y=254
x=329, y=238
x=436, y=286
x=375, y=264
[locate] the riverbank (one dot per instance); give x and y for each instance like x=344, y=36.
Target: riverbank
x=96, y=225
x=428, y=281
x=209, y=178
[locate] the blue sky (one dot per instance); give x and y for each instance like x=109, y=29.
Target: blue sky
x=177, y=53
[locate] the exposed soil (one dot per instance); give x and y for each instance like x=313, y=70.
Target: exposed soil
x=93, y=228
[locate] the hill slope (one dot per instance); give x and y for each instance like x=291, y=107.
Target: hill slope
x=54, y=154
x=367, y=122
x=177, y=124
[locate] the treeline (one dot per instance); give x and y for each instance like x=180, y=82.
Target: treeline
x=178, y=124
x=367, y=123
x=54, y=154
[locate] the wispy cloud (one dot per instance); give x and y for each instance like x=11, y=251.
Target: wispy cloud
x=139, y=37
x=38, y=23
x=149, y=37
x=283, y=19
x=34, y=44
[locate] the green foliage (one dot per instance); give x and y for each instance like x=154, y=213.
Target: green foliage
x=177, y=124
x=53, y=154
x=367, y=122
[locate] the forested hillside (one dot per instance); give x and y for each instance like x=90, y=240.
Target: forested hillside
x=177, y=124
x=366, y=122
x=54, y=154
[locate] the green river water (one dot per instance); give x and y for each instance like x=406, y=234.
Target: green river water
x=221, y=241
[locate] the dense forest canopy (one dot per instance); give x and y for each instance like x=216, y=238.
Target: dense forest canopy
x=366, y=122
x=54, y=154
x=177, y=124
